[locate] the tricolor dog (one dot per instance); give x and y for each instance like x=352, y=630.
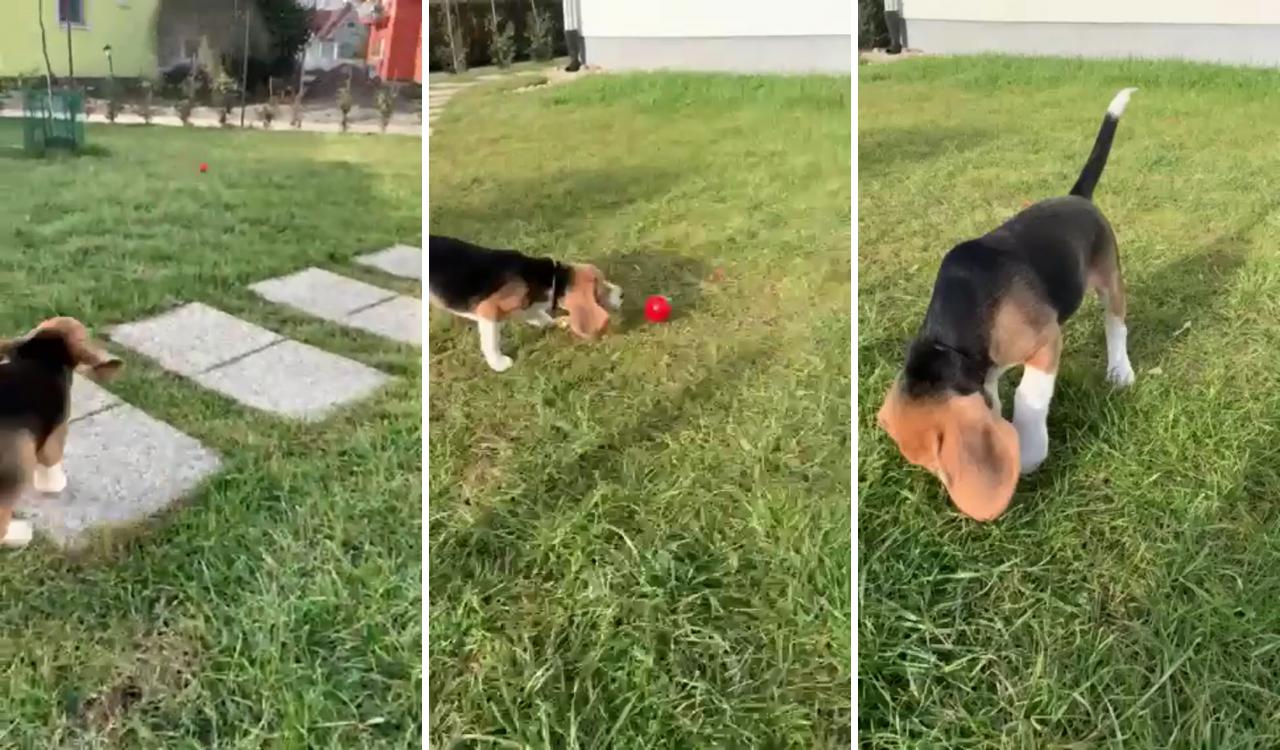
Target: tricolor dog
x=490, y=286
x=1000, y=301
x=35, y=401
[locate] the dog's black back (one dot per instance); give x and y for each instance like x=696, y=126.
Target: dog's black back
x=35, y=385
x=460, y=274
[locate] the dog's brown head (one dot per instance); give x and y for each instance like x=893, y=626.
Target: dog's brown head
x=588, y=301
x=66, y=342
x=961, y=441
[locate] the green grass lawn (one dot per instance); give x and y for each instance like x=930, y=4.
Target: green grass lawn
x=1131, y=595
x=280, y=607
x=644, y=542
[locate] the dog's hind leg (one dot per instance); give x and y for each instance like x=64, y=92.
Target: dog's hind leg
x=1105, y=277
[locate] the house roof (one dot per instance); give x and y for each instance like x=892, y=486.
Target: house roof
x=325, y=22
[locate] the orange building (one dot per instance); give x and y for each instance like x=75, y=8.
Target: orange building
x=395, y=38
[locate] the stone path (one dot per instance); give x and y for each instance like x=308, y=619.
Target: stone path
x=439, y=94
x=249, y=364
x=397, y=260
x=348, y=302
x=122, y=467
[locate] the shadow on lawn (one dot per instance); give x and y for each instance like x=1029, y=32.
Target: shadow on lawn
x=641, y=273
x=884, y=149
x=1187, y=290
x=18, y=153
x=564, y=200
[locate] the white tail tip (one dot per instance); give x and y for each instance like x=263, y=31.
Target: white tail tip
x=1120, y=102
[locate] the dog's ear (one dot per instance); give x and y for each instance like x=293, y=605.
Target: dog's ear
x=586, y=316
x=977, y=457
x=86, y=354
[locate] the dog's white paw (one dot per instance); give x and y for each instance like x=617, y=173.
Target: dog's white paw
x=1120, y=374
x=501, y=364
x=49, y=479
x=18, y=534
x=1033, y=446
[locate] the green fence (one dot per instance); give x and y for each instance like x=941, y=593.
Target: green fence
x=52, y=119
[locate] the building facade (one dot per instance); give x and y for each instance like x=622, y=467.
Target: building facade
x=93, y=24
x=740, y=36
x=1245, y=32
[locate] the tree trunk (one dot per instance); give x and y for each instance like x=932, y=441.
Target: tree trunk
x=44, y=47
x=452, y=36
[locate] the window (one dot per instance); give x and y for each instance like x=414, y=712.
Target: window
x=71, y=12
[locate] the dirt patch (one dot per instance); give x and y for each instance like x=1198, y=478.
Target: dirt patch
x=162, y=665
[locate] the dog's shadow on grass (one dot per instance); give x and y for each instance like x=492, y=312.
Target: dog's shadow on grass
x=1175, y=298
x=881, y=149
x=642, y=273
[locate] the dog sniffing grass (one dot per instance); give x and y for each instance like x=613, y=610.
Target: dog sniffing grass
x=1126, y=598
x=643, y=541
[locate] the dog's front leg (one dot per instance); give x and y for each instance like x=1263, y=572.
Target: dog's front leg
x=490, y=345
x=1031, y=416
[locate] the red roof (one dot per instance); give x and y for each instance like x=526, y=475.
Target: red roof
x=325, y=22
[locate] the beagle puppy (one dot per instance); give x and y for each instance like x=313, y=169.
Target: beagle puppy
x=489, y=286
x=35, y=398
x=1000, y=301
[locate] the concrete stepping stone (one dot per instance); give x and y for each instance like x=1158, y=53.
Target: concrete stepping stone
x=348, y=302
x=249, y=364
x=122, y=467
x=398, y=260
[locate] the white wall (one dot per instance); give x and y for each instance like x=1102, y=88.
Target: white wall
x=1089, y=11
x=716, y=18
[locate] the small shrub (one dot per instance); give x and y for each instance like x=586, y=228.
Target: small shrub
x=872, y=30
x=224, y=89
x=115, y=99
x=268, y=111
x=295, y=109
x=386, y=100
x=541, y=35
x=187, y=104
x=452, y=54
x=146, y=110
x=502, y=42
x=345, y=102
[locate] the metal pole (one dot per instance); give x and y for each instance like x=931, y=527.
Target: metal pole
x=244, y=71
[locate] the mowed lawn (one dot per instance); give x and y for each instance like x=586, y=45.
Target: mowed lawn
x=1131, y=595
x=279, y=606
x=644, y=542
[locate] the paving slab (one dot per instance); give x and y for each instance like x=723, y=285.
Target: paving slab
x=347, y=302
x=193, y=338
x=398, y=318
x=294, y=380
x=87, y=397
x=122, y=467
x=322, y=293
x=398, y=260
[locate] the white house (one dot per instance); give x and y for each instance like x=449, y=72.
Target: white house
x=1231, y=31
x=337, y=37
x=744, y=36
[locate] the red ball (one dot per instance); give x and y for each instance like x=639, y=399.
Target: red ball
x=657, y=309
x=204, y=167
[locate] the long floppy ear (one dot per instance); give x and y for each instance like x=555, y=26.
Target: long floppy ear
x=95, y=361
x=586, y=317
x=978, y=458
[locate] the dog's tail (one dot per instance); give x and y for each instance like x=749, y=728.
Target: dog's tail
x=1092, y=171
